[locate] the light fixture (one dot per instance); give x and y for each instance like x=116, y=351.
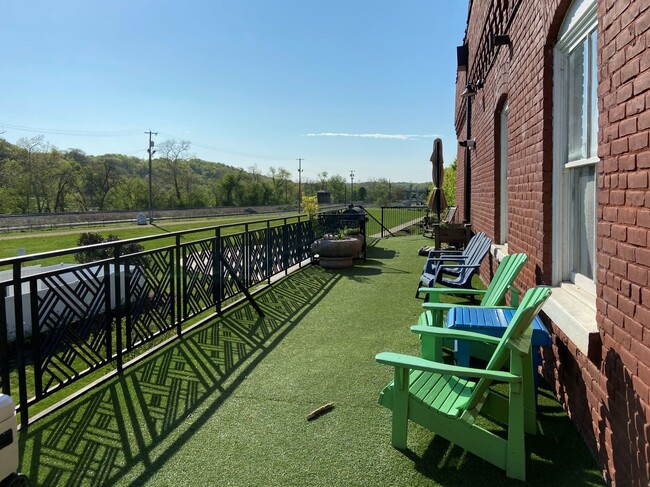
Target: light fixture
x=496, y=40
x=469, y=143
x=471, y=89
x=468, y=91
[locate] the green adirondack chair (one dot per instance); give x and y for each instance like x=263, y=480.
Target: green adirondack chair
x=447, y=399
x=494, y=295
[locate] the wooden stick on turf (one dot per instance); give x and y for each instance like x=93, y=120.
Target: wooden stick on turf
x=320, y=411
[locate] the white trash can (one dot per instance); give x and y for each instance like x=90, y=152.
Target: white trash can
x=9, y=445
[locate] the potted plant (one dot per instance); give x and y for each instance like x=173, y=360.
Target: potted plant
x=332, y=250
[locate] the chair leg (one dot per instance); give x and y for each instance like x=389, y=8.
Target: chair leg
x=516, y=454
x=530, y=399
x=400, y=408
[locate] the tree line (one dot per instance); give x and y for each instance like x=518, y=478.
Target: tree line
x=36, y=177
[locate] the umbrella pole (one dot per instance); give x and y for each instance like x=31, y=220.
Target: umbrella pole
x=438, y=244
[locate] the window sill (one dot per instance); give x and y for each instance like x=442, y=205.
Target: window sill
x=573, y=310
x=499, y=251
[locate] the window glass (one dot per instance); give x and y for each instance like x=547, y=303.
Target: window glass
x=584, y=219
x=593, y=145
x=577, y=107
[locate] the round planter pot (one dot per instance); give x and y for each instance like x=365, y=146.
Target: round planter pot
x=336, y=254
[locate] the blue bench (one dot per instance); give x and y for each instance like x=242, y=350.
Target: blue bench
x=493, y=322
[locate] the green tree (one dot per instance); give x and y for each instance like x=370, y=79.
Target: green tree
x=449, y=183
x=231, y=184
x=336, y=185
x=33, y=167
x=173, y=155
x=98, y=181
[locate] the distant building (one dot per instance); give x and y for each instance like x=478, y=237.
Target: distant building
x=559, y=168
x=324, y=197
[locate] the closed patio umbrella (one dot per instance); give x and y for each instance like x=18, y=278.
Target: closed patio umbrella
x=437, y=202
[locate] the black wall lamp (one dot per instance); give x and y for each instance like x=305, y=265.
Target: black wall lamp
x=496, y=40
x=471, y=89
x=468, y=143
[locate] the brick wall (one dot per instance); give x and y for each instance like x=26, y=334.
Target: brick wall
x=608, y=398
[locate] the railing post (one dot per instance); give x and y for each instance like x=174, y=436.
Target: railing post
x=217, y=273
x=177, y=285
x=4, y=342
x=382, y=222
x=36, y=339
x=247, y=257
x=119, y=339
x=300, y=241
x=285, y=248
x=20, y=344
x=269, y=260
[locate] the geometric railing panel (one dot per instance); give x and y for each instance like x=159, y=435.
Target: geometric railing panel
x=72, y=327
x=257, y=257
x=151, y=290
x=197, y=268
x=277, y=249
x=232, y=250
x=293, y=242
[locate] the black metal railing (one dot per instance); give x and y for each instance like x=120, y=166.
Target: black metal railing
x=61, y=323
x=402, y=219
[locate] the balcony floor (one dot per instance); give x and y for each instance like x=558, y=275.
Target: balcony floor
x=226, y=405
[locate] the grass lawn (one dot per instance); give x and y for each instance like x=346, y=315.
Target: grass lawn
x=44, y=241
x=226, y=404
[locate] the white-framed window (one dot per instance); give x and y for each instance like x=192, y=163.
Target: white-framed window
x=575, y=141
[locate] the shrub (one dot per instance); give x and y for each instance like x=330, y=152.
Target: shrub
x=89, y=238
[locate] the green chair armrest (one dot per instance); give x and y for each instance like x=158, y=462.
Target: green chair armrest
x=417, y=363
x=433, y=305
x=453, y=333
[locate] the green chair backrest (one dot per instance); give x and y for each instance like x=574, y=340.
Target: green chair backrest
x=503, y=278
x=517, y=336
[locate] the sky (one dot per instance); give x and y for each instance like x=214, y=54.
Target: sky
x=362, y=85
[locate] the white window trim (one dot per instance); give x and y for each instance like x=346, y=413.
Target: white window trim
x=581, y=19
x=572, y=305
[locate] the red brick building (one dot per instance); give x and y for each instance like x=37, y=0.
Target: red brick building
x=559, y=168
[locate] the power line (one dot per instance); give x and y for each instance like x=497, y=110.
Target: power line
x=77, y=133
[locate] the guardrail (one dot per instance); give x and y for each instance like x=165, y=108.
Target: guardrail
x=61, y=323
x=405, y=219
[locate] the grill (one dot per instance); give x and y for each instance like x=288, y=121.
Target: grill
x=9, y=445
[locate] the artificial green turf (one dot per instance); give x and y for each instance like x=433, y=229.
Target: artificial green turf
x=226, y=405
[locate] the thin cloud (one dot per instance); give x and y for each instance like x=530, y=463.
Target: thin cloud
x=374, y=136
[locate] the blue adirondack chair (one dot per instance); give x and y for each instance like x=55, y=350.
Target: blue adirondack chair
x=457, y=254
x=495, y=294
x=447, y=399
x=454, y=272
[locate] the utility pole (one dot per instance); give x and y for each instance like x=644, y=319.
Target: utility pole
x=299, y=181
x=351, y=187
x=151, y=152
